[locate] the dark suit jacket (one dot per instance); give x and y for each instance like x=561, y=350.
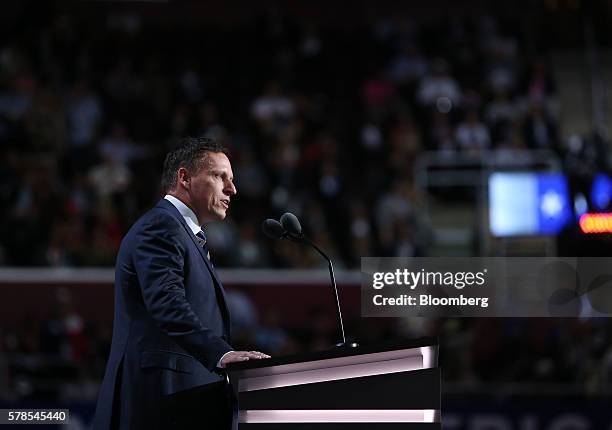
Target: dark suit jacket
x=171, y=322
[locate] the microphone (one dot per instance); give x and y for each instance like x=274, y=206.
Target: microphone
x=291, y=224
x=289, y=228
x=273, y=229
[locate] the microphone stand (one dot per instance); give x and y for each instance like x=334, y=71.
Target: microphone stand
x=303, y=239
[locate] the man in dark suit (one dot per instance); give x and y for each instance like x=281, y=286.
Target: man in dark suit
x=171, y=334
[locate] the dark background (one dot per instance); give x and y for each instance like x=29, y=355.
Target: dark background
x=344, y=113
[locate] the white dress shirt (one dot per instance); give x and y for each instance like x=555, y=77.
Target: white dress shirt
x=190, y=218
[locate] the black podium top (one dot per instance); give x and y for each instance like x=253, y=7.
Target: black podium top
x=341, y=351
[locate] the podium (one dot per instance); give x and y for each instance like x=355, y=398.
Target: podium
x=386, y=386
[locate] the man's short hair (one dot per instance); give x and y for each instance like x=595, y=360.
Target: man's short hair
x=189, y=153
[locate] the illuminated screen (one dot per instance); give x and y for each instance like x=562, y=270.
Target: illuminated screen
x=528, y=204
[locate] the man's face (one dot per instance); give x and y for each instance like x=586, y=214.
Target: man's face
x=211, y=188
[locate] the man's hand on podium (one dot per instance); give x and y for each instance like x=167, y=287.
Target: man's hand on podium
x=237, y=356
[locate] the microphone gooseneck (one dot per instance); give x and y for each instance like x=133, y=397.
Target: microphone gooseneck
x=332, y=277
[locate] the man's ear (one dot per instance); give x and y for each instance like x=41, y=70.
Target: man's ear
x=183, y=177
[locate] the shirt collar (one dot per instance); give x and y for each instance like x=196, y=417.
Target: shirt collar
x=186, y=212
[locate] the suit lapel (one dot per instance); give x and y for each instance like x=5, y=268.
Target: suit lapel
x=165, y=204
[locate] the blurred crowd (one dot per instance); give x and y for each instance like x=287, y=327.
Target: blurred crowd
x=321, y=121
